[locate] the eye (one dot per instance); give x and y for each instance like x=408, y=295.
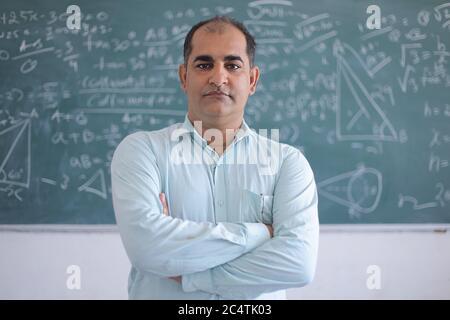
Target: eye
x=233, y=66
x=204, y=66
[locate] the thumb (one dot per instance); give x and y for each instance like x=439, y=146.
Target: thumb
x=162, y=198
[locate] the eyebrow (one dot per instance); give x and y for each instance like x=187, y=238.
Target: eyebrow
x=208, y=58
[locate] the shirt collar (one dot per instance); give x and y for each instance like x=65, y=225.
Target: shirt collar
x=243, y=131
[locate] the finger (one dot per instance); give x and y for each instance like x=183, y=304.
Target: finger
x=162, y=198
x=270, y=228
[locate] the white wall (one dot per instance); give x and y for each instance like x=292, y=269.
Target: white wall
x=414, y=264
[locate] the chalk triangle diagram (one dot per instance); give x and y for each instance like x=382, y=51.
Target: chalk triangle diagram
x=359, y=190
x=15, y=154
x=358, y=116
x=96, y=184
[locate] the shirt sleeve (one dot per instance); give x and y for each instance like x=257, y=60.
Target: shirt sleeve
x=289, y=258
x=161, y=244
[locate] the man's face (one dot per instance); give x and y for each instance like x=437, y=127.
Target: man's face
x=218, y=79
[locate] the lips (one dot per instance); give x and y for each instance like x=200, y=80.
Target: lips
x=217, y=94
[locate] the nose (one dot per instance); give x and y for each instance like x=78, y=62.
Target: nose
x=218, y=76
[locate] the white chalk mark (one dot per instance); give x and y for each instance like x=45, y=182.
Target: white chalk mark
x=165, y=42
x=137, y=111
x=101, y=189
x=380, y=66
x=345, y=189
x=354, y=120
x=376, y=33
x=49, y=181
x=408, y=46
x=441, y=6
x=29, y=153
x=275, y=40
x=158, y=43
x=438, y=15
x=28, y=54
x=264, y=2
x=371, y=110
x=361, y=106
x=24, y=125
x=266, y=23
x=353, y=51
x=317, y=40
x=313, y=19
x=375, y=69
x=402, y=199
x=127, y=90
x=16, y=193
x=404, y=82
x=180, y=36
x=73, y=56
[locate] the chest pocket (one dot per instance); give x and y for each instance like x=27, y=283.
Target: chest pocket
x=256, y=207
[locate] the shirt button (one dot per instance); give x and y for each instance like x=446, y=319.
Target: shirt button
x=220, y=203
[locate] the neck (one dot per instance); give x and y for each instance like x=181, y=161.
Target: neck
x=218, y=134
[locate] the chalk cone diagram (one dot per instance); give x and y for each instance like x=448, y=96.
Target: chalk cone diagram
x=359, y=190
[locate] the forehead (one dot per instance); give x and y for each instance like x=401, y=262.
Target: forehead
x=218, y=40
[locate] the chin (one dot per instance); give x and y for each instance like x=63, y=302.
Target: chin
x=217, y=110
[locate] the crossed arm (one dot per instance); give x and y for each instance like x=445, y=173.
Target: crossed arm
x=287, y=260
x=168, y=246
x=233, y=260
x=162, y=198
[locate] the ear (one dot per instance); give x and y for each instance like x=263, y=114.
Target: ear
x=254, y=77
x=182, y=75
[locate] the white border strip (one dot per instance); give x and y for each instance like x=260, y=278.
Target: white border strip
x=325, y=228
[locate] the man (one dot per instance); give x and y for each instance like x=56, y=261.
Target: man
x=198, y=218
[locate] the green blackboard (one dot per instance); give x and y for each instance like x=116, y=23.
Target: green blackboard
x=369, y=108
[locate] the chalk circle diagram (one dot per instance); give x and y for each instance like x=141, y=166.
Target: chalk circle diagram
x=359, y=190
x=15, y=154
x=358, y=116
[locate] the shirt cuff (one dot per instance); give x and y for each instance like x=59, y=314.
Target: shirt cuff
x=257, y=234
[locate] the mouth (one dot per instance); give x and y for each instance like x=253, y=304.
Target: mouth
x=217, y=94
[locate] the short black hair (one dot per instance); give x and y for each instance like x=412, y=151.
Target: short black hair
x=251, y=44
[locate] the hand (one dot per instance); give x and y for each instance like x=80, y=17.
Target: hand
x=269, y=226
x=162, y=198
x=177, y=279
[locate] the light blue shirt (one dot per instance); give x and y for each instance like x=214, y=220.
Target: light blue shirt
x=215, y=236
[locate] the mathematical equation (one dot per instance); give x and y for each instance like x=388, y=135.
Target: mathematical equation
x=378, y=96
